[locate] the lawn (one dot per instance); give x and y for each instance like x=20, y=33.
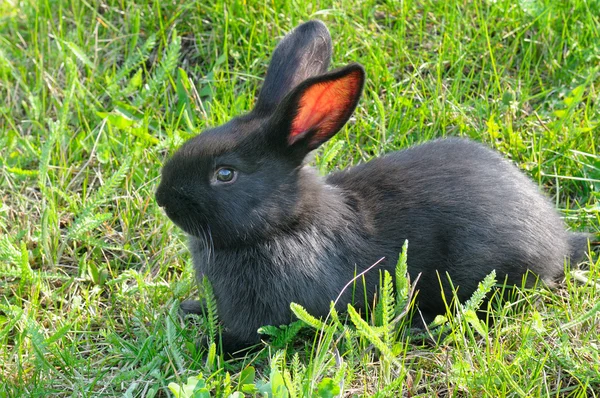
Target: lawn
x=97, y=94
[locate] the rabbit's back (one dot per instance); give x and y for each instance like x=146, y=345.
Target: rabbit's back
x=464, y=209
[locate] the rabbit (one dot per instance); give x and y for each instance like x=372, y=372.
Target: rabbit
x=268, y=230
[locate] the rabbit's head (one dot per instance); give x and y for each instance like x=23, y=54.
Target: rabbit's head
x=239, y=182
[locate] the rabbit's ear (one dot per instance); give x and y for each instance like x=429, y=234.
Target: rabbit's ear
x=318, y=108
x=303, y=53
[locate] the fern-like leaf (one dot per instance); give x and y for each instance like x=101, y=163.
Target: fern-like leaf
x=298, y=373
x=282, y=335
x=105, y=192
x=132, y=62
x=165, y=70
x=211, y=309
x=8, y=251
x=38, y=342
x=472, y=305
x=402, y=286
x=86, y=224
x=483, y=288
x=88, y=219
x=174, y=345
x=305, y=317
x=387, y=307
x=366, y=331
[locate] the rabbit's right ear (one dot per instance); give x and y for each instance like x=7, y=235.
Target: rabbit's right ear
x=315, y=110
x=303, y=53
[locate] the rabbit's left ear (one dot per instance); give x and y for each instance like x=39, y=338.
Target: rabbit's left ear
x=318, y=108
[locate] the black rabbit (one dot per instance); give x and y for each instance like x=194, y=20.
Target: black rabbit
x=267, y=230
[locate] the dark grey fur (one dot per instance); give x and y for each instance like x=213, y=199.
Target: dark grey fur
x=280, y=233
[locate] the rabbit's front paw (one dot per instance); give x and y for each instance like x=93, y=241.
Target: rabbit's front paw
x=196, y=307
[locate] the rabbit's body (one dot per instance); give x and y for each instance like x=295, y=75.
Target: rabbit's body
x=267, y=230
x=353, y=218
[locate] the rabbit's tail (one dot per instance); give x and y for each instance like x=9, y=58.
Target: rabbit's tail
x=578, y=246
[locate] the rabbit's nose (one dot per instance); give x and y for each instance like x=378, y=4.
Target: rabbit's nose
x=160, y=197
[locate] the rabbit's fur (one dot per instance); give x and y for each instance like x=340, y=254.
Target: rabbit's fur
x=279, y=233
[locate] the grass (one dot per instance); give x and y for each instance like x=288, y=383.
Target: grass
x=96, y=94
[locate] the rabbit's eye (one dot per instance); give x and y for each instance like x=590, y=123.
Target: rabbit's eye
x=225, y=174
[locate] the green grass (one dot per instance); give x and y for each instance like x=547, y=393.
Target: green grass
x=96, y=94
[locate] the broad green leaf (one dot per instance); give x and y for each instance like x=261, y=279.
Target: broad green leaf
x=328, y=388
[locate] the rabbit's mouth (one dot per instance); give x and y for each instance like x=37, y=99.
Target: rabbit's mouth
x=184, y=223
x=178, y=216
x=161, y=196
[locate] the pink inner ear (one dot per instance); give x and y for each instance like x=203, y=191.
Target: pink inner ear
x=325, y=106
